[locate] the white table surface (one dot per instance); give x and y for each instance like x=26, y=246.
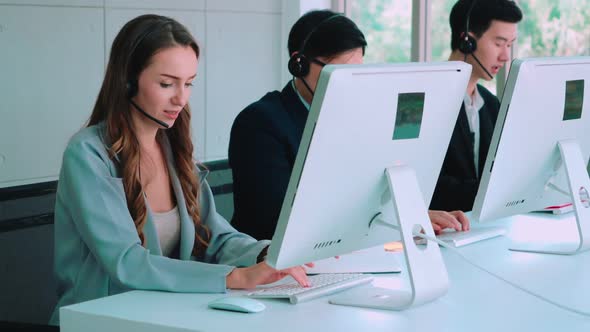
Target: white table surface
x=476, y=301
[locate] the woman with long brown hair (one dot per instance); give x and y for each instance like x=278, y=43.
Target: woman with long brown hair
x=132, y=210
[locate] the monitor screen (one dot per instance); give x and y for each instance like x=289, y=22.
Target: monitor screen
x=364, y=119
x=408, y=118
x=543, y=103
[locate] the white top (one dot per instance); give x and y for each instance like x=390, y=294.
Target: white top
x=168, y=229
x=472, y=107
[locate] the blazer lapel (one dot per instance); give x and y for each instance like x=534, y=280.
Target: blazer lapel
x=486, y=130
x=149, y=229
x=187, y=228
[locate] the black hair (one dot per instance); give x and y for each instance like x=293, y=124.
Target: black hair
x=324, y=33
x=481, y=14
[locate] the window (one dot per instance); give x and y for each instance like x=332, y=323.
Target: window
x=549, y=28
x=387, y=26
x=554, y=28
x=441, y=30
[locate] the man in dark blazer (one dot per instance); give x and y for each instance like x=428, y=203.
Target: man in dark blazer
x=482, y=33
x=264, y=142
x=265, y=136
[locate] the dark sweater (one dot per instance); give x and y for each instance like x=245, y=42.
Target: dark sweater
x=458, y=182
x=263, y=145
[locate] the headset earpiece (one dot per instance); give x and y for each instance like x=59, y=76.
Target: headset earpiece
x=298, y=65
x=468, y=44
x=131, y=88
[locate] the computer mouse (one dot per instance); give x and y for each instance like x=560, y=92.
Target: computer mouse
x=237, y=303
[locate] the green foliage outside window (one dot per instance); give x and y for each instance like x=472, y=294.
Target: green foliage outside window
x=554, y=28
x=549, y=28
x=387, y=28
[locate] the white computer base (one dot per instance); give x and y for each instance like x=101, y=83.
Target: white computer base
x=427, y=272
x=579, y=188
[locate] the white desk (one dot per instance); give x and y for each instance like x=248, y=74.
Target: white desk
x=475, y=301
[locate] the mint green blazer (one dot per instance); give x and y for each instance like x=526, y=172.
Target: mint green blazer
x=97, y=249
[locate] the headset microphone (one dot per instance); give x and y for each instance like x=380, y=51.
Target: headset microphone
x=132, y=84
x=482, y=67
x=161, y=123
x=468, y=44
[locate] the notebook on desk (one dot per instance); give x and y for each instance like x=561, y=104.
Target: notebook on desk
x=371, y=260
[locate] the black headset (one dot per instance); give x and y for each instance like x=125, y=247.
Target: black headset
x=132, y=86
x=468, y=44
x=298, y=63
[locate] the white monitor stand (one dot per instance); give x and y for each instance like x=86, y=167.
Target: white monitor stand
x=579, y=191
x=364, y=120
x=426, y=270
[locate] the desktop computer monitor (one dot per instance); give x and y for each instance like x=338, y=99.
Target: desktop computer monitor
x=371, y=150
x=540, y=147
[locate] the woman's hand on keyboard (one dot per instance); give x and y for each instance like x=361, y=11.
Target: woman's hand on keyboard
x=440, y=220
x=262, y=273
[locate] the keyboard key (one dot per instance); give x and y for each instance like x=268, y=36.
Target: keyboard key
x=321, y=285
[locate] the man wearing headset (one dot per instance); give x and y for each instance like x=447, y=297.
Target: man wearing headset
x=265, y=136
x=482, y=34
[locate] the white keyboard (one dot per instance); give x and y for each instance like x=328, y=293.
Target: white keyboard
x=458, y=239
x=321, y=285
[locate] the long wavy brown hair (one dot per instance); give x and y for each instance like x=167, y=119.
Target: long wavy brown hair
x=133, y=48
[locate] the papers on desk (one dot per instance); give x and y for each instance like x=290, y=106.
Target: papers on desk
x=559, y=209
x=371, y=260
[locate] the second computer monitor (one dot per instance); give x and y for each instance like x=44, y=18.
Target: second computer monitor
x=364, y=119
x=541, y=143
x=543, y=104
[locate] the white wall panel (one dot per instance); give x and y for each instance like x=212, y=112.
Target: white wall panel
x=259, y=6
x=54, y=53
x=195, y=22
x=51, y=65
x=243, y=54
x=307, y=5
x=156, y=4
x=73, y=3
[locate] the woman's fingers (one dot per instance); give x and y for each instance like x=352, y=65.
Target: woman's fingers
x=298, y=273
